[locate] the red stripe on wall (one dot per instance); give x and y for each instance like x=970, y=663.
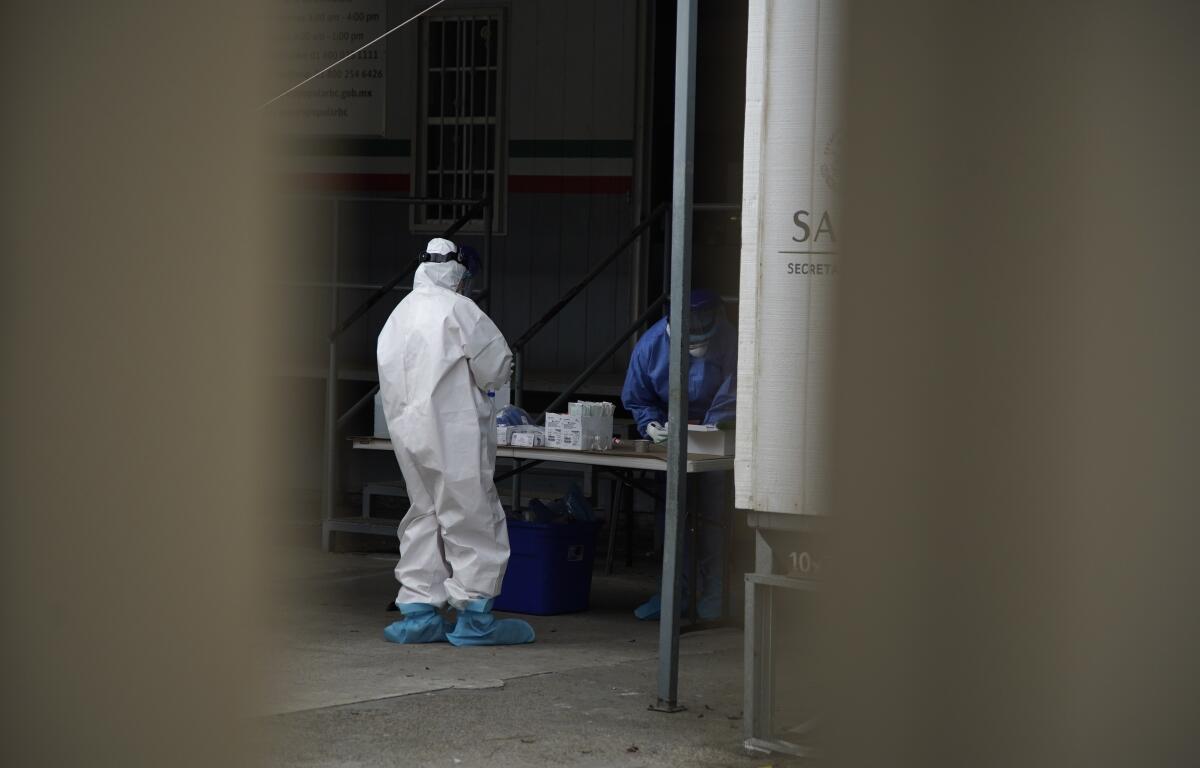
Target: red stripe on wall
x=571, y=185
x=350, y=182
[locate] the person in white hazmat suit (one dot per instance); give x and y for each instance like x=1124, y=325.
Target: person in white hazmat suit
x=439, y=355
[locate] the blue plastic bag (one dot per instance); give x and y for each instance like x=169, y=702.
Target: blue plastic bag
x=578, y=507
x=512, y=416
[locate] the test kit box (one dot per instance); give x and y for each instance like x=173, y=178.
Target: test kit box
x=521, y=435
x=578, y=433
x=528, y=439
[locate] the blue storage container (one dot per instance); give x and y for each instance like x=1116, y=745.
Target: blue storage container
x=550, y=569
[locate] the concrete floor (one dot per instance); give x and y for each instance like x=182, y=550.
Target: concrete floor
x=577, y=696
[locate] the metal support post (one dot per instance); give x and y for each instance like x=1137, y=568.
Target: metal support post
x=681, y=284
x=518, y=398
x=692, y=526
x=666, y=270
x=329, y=466
x=627, y=507
x=756, y=706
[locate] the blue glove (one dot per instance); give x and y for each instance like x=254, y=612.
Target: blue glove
x=477, y=626
x=421, y=624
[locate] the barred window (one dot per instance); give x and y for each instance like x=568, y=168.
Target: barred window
x=461, y=100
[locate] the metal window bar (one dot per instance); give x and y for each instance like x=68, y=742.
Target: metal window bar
x=441, y=161
x=456, y=162
x=461, y=168
x=468, y=107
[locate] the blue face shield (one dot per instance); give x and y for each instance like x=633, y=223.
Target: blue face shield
x=469, y=258
x=706, y=312
x=706, y=315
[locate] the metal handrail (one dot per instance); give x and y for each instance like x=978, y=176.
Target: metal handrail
x=385, y=289
x=584, y=375
x=605, y=355
x=561, y=304
x=518, y=347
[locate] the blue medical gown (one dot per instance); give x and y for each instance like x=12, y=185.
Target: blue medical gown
x=712, y=379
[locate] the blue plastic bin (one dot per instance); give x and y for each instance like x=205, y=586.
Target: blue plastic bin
x=550, y=569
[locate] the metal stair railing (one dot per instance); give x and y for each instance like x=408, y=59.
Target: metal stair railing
x=578, y=381
x=518, y=347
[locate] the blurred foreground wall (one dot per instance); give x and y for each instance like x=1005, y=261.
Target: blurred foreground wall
x=1018, y=481
x=134, y=394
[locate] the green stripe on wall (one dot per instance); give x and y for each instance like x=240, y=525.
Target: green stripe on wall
x=343, y=147
x=570, y=148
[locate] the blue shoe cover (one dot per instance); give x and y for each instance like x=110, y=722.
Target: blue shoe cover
x=709, y=609
x=421, y=624
x=649, y=610
x=477, y=626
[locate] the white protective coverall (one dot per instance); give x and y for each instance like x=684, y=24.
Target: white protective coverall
x=438, y=356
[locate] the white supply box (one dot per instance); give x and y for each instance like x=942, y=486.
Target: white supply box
x=791, y=225
x=578, y=433
x=708, y=440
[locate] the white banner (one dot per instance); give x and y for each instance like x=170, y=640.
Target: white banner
x=789, y=256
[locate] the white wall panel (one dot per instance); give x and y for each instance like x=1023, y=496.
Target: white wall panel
x=789, y=256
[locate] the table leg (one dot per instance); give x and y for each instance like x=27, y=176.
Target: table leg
x=614, y=514
x=694, y=521
x=627, y=506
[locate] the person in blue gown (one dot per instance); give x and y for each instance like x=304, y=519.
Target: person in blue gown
x=712, y=399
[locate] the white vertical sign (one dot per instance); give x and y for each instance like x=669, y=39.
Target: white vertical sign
x=789, y=256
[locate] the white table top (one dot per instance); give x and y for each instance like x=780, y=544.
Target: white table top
x=623, y=459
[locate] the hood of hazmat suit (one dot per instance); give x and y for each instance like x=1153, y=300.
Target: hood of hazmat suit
x=438, y=356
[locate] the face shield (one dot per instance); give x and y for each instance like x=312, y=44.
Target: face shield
x=469, y=258
x=446, y=251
